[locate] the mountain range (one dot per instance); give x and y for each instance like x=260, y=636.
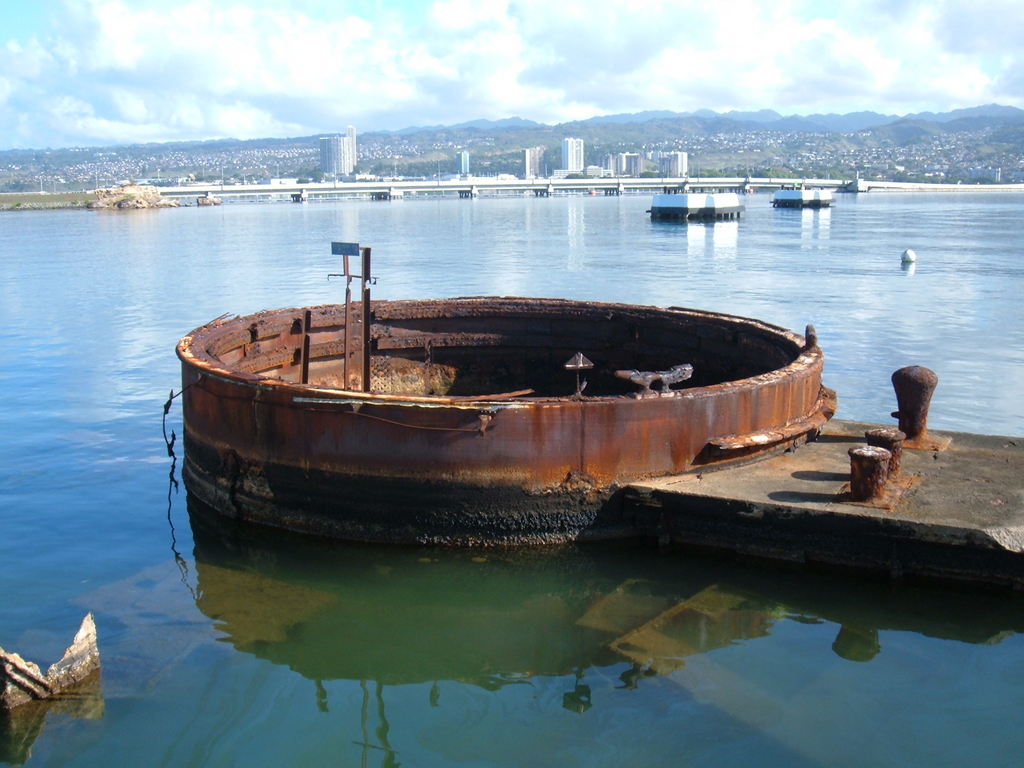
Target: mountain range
x=764, y=119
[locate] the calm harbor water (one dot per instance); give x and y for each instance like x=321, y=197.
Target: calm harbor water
x=225, y=647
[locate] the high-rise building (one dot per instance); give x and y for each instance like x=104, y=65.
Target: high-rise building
x=572, y=155
x=350, y=150
x=986, y=174
x=463, y=157
x=673, y=164
x=532, y=159
x=331, y=155
x=630, y=164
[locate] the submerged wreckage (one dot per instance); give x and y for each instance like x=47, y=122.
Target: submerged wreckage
x=22, y=682
x=71, y=686
x=480, y=421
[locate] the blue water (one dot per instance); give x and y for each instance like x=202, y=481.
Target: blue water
x=223, y=651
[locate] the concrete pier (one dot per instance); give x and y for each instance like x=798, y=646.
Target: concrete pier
x=952, y=514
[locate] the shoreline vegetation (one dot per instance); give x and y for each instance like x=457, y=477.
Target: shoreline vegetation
x=42, y=201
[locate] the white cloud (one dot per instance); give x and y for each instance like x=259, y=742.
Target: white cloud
x=149, y=70
x=25, y=62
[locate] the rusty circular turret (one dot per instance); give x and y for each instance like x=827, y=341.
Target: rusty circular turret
x=481, y=420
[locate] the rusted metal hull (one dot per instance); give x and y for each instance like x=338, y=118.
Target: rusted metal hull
x=403, y=463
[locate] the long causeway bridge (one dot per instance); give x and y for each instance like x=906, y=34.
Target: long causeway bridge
x=470, y=187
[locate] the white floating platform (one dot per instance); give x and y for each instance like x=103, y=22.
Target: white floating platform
x=803, y=198
x=715, y=207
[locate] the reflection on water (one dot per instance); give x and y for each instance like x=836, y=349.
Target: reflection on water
x=815, y=224
x=857, y=644
x=492, y=619
x=289, y=650
x=20, y=727
x=577, y=231
x=717, y=240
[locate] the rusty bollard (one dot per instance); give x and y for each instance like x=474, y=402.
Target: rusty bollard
x=892, y=441
x=914, y=386
x=869, y=469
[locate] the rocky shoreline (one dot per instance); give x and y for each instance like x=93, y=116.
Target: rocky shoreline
x=131, y=197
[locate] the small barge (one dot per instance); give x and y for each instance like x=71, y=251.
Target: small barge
x=480, y=421
x=719, y=206
x=803, y=198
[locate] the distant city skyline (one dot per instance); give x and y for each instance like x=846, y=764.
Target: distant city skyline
x=103, y=72
x=973, y=146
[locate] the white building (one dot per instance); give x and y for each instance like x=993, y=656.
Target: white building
x=572, y=155
x=350, y=150
x=331, y=157
x=463, y=158
x=337, y=154
x=532, y=159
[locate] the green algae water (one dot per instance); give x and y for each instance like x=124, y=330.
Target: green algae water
x=227, y=646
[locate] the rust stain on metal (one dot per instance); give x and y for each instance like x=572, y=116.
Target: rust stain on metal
x=458, y=420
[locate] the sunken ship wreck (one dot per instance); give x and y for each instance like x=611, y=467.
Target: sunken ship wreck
x=480, y=421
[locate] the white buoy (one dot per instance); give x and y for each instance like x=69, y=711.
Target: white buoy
x=909, y=257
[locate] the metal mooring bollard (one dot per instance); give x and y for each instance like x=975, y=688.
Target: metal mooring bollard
x=914, y=386
x=892, y=441
x=869, y=468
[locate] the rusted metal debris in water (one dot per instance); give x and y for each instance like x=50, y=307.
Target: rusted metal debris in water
x=457, y=421
x=22, y=681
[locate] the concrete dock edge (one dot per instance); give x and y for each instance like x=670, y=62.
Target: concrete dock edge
x=955, y=514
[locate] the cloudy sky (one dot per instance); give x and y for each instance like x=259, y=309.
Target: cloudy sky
x=96, y=72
